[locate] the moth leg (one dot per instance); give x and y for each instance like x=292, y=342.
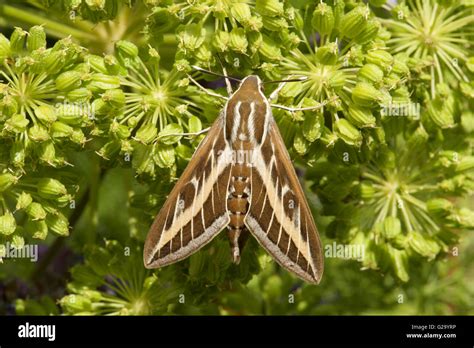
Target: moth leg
x=205, y=130
x=290, y=109
x=315, y=107
x=205, y=90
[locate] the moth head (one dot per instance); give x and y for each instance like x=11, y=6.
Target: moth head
x=252, y=83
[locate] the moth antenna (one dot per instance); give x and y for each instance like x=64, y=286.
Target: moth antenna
x=195, y=67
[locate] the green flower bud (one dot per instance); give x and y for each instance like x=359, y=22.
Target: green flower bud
x=115, y=97
x=103, y=82
x=275, y=23
x=323, y=19
x=7, y=180
x=182, y=65
x=96, y=63
x=36, y=211
x=328, y=138
x=271, y=8
x=18, y=242
x=64, y=200
x=38, y=133
x=369, y=33
x=58, y=223
x=54, y=61
x=38, y=229
x=61, y=130
x=290, y=40
x=109, y=150
x=269, y=49
x=347, y=132
x=45, y=113
x=78, y=137
x=328, y=54
x=126, y=146
x=354, y=22
x=360, y=117
x=365, y=94
x=381, y=58
x=466, y=164
x=221, y=41
x=163, y=155
x=238, y=40
x=191, y=37
x=439, y=206
x=101, y=107
x=462, y=218
x=204, y=54
x=313, y=126
x=47, y=152
x=184, y=152
x=9, y=105
x=79, y=95
x=400, y=241
x=68, y=80
x=75, y=304
x=337, y=81
x=93, y=295
x=423, y=245
x=400, y=68
x=241, y=12
x=126, y=49
x=23, y=200
x=7, y=223
x=121, y=130
x=391, y=227
x=371, y=73
x=170, y=134
x=4, y=47
x=366, y=191
x=17, y=123
x=440, y=113
x=17, y=40
x=112, y=64
x=300, y=144
x=194, y=124
x=142, y=160
x=49, y=188
x=17, y=154
x=146, y=133
x=255, y=41
x=254, y=23
x=399, y=262
x=36, y=38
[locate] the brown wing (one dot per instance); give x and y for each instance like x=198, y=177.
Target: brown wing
x=195, y=211
x=279, y=216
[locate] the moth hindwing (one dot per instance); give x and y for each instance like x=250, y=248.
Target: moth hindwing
x=240, y=177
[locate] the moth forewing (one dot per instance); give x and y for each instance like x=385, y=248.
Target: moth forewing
x=263, y=197
x=192, y=214
x=279, y=216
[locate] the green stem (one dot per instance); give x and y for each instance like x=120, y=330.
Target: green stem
x=54, y=28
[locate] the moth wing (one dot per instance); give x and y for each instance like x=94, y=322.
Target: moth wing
x=279, y=216
x=193, y=213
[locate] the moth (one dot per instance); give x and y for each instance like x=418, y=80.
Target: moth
x=240, y=178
